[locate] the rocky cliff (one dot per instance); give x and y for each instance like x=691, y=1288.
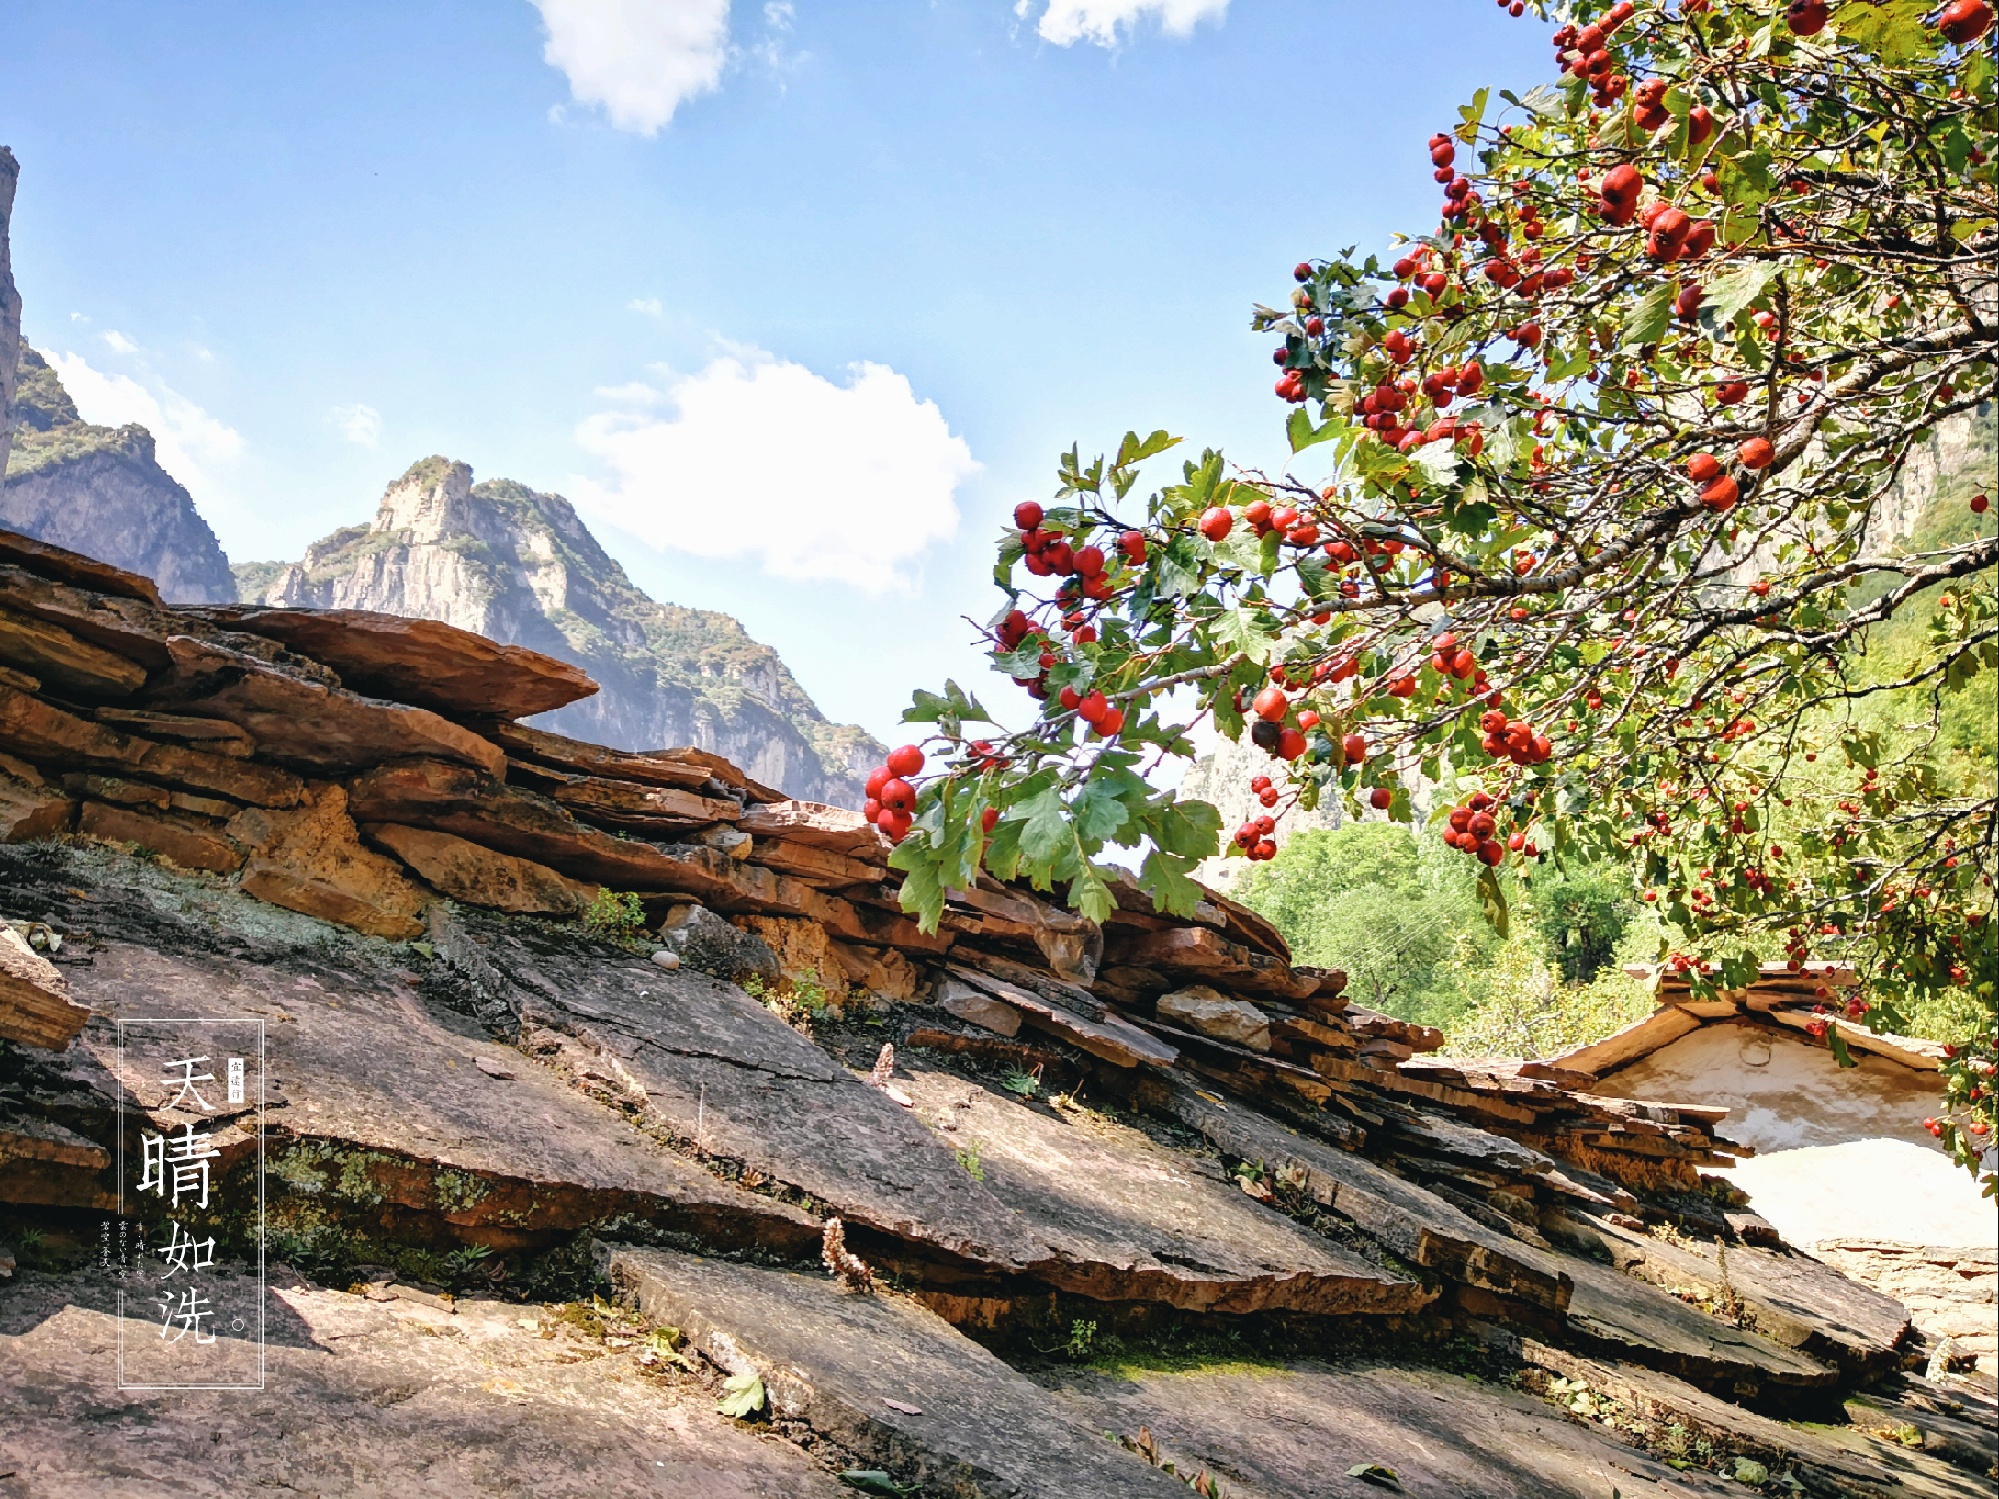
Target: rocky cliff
x=101, y=490
x=533, y=1188
x=10, y=303
x=508, y=562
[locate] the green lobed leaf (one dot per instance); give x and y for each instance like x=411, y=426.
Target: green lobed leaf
x=1646, y=323
x=743, y=1397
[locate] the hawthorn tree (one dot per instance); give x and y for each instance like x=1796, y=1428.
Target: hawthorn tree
x=1606, y=567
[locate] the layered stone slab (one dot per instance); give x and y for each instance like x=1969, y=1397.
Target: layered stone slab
x=366, y=1397
x=1133, y=1220
x=423, y=662
x=731, y=1081
x=1297, y=1430
x=886, y=1380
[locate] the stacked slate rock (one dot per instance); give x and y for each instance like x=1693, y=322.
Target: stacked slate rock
x=1190, y=1125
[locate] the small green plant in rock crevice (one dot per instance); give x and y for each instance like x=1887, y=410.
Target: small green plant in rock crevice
x=615, y=915
x=799, y=1003
x=970, y=1159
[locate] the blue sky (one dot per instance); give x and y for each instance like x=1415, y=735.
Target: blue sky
x=796, y=300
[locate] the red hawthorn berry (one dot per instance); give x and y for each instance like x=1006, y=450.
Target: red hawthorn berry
x=905, y=761
x=897, y=795
x=1381, y=798
x=1290, y=744
x=1965, y=21
x=1703, y=467
x=1132, y=544
x=1216, y=522
x=878, y=778
x=1108, y=724
x=1271, y=704
x=1092, y=708
x=989, y=819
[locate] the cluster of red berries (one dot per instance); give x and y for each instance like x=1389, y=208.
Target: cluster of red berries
x=1719, y=491
x=1254, y=839
x=1300, y=530
x=1671, y=234
x=1585, y=52
x=1474, y=829
x=1514, y=739
x=1265, y=792
x=891, y=804
x=1450, y=658
x=1618, y=194
x=1271, y=708
x=1050, y=553
x=1648, y=108
x=1460, y=197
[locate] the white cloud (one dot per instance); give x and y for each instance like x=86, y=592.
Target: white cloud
x=1066, y=22
x=120, y=344
x=191, y=444
x=761, y=458
x=639, y=59
x=361, y=425
x=650, y=306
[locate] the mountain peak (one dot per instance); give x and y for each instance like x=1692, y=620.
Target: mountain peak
x=101, y=491
x=518, y=565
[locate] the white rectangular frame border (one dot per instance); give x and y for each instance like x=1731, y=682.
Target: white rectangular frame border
x=263, y=1289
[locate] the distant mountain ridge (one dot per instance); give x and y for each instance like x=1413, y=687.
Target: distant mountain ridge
x=520, y=566
x=101, y=491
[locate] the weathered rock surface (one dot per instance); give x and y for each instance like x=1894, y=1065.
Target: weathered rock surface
x=1796, y=1300
x=35, y=1004
x=190, y=842
x=424, y=662
x=1398, y=1214
x=383, y=1108
x=886, y=1380
x=1951, y=1294
x=722, y=1074
x=304, y=724
x=705, y=943
x=45, y=735
x=1154, y=1224
x=1199, y=1008
x=1625, y=1318
x=482, y=876
x=364, y=1397
x=74, y=668
x=1294, y=1431
x=1872, y=1457
x=312, y=860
